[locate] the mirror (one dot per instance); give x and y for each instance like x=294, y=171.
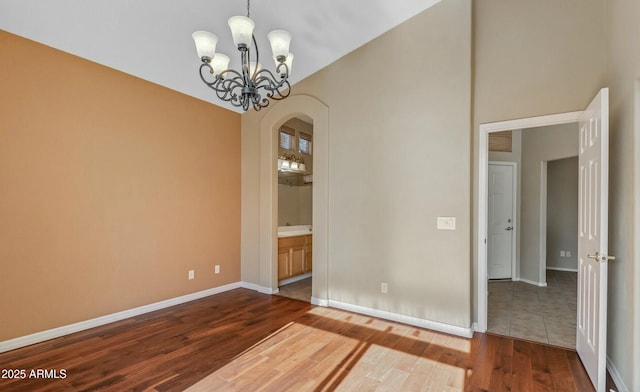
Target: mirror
x=295, y=168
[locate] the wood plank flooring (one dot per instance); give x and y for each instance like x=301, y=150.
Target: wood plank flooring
x=246, y=341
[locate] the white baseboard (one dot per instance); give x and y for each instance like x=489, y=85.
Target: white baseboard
x=615, y=375
x=38, y=337
x=42, y=336
x=294, y=279
x=562, y=269
x=401, y=318
x=319, y=301
x=258, y=288
x=539, y=284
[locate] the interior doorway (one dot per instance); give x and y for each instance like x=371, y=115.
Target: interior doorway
x=528, y=273
x=593, y=253
x=538, y=300
x=294, y=106
x=295, y=207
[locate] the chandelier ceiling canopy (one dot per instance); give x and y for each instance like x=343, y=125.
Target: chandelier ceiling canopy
x=252, y=85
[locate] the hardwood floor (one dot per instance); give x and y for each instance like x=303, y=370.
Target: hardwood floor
x=243, y=340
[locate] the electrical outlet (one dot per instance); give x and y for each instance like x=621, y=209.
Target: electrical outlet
x=568, y=253
x=216, y=269
x=384, y=287
x=562, y=253
x=192, y=274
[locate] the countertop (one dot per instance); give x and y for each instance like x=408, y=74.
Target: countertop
x=293, y=231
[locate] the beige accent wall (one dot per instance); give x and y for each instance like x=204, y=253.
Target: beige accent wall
x=562, y=213
x=111, y=189
x=403, y=170
x=623, y=71
x=539, y=145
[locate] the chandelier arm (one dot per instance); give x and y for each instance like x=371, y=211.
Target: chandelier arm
x=268, y=83
x=230, y=89
x=218, y=84
x=215, y=85
x=255, y=45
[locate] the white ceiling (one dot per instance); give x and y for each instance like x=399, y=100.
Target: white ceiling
x=151, y=39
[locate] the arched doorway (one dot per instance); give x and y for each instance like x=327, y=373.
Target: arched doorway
x=318, y=112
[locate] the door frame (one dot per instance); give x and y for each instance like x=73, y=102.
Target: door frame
x=482, y=162
x=514, y=211
x=636, y=230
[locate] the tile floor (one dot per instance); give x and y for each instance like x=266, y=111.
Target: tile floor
x=540, y=314
x=297, y=290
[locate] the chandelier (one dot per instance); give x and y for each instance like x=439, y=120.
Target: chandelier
x=252, y=85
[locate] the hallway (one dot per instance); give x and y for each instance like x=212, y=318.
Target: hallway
x=540, y=314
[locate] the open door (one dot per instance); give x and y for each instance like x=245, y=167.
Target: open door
x=591, y=340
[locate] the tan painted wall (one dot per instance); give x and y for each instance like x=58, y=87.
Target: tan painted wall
x=623, y=70
x=562, y=213
x=403, y=170
x=111, y=189
x=539, y=145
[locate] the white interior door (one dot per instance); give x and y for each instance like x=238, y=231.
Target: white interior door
x=592, y=238
x=501, y=177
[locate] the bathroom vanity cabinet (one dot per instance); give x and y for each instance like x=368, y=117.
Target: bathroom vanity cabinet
x=294, y=256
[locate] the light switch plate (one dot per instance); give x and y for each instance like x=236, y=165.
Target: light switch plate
x=446, y=223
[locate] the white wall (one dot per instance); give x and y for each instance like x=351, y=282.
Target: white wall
x=562, y=214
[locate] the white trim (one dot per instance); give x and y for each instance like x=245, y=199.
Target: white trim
x=539, y=284
x=319, y=301
x=514, y=211
x=635, y=348
x=294, y=279
x=562, y=269
x=38, y=337
x=615, y=375
x=483, y=158
x=258, y=288
x=542, y=229
x=401, y=318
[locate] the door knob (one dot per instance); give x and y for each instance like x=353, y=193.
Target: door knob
x=509, y=228
x=598, y=257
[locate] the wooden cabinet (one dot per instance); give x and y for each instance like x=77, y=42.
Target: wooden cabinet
x=308, y=252
x=294, y=256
